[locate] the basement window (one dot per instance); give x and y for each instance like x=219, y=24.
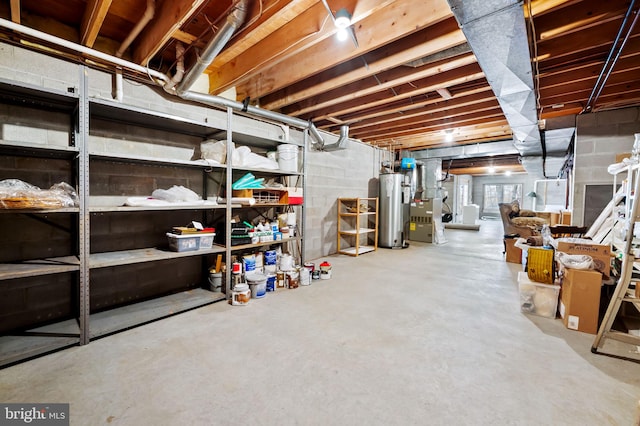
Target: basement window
x=497, y=193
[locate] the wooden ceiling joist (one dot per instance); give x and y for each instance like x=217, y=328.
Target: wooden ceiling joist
x=92, y=20
x=399, y=19
x=169, y=17
x=379, y=62
x=15, y=11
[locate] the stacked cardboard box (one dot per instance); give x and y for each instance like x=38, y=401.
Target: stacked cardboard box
x=580, y=290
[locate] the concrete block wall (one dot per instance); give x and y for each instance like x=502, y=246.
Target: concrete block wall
x=600, y=137
x=352, y=172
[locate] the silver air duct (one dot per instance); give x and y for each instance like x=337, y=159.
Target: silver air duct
x=217, y=43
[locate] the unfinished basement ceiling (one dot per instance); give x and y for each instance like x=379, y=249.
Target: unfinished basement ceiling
x=408, y=78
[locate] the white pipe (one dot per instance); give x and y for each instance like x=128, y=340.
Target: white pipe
x=146, y=17
x=212, y=100
x=119, y=92
x=82, y=49
x=177, y=77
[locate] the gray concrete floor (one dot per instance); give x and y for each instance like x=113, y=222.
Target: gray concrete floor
x=426, y=335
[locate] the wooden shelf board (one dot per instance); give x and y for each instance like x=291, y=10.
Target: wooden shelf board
x=118, y=319
x=358, y=231
x=361, y=250
x=356, y=214
x=128, y=257
x=33, y=268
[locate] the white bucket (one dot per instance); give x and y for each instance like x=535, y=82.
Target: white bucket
x=288, y=157
x=257, y=285
x=286, y=262
x=291, y=219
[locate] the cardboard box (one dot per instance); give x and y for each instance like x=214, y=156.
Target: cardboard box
x=512, y=253
x=600, y=253
x=580, y=300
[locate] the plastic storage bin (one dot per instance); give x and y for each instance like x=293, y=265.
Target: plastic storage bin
x=183, y=242
x=206, y=240
x=537, y=298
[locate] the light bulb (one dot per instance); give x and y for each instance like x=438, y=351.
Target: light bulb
x=342, y=34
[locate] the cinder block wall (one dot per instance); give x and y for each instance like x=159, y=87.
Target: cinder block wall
x=351, y=172
x=600, y=137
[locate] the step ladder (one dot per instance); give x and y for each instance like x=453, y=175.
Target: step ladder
x=622, y=292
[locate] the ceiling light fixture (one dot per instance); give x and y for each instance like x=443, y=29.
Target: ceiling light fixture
x=491, y=170
x=343, y=18
x=448, y=135
x=342, y=34
x=507, y=173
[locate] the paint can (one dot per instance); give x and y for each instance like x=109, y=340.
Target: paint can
x=240, y=295
x=293, y=279
x=271, y=282
x=270, y=257
x=325, y=270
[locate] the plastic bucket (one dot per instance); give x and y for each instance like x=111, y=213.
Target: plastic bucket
x=288, y=157
x=257, y=285
x=286, y=262
x=215, y=281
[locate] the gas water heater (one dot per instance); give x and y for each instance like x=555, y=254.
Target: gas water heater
x=394, y=202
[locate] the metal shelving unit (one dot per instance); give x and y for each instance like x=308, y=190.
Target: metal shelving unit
x=18, y=268
x=89, y=261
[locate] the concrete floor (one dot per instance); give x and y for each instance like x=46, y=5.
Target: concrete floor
x=427, y=335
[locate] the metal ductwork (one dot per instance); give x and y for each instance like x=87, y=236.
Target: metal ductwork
x=338, y=144
x=217, y=43
x=497, y=34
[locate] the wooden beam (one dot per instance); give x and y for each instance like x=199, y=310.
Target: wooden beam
x=403, y=107
x=273, y=15
x=465, y=134
x=430, y=121
x=184, y=36
x=94, y=14
x=169, y=18
x=470, y=102
x=386, y=64
x=15, y=11
x=581, y=18
x=444, y=122
x=399, y=19
x=418, y=88
x=290, y=38
x=379, y=83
